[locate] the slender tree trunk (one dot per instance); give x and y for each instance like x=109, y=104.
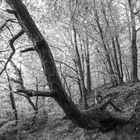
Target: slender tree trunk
x=134, y=55
x=82, y=58
x=128, y=22
x=111, y=72
x=84, y=92
x=88, y=66
x=128, y=75
x=80, y=90
x=116, y=61
x=13, y=105
x=120, y=57
x=116, y=42
x=36, y=102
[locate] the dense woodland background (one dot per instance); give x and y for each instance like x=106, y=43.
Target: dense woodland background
x=67, y=60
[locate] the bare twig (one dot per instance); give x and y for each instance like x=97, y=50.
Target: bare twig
x=66, y=65
x=138, y=29
x=9, y=31
x=13, y=49
x=137, y=12
x=5, y=89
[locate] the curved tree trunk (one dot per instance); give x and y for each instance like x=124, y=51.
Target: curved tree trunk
x=89, y=119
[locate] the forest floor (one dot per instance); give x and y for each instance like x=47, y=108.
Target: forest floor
x=126, y=98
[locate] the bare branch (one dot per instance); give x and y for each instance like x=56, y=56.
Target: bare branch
x=138, y=29
x=8, y=11
x=11, y=11
x=19, y=94
x=137, y=12
x=9, y=31
x=15, y=92
x=27, y=50
x=32, y=93
x=13, y=49
x=4, y=25
x=66, y=65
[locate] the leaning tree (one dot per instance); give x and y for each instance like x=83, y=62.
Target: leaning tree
x=92, y=118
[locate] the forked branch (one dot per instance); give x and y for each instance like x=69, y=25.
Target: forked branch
x=5, y=24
